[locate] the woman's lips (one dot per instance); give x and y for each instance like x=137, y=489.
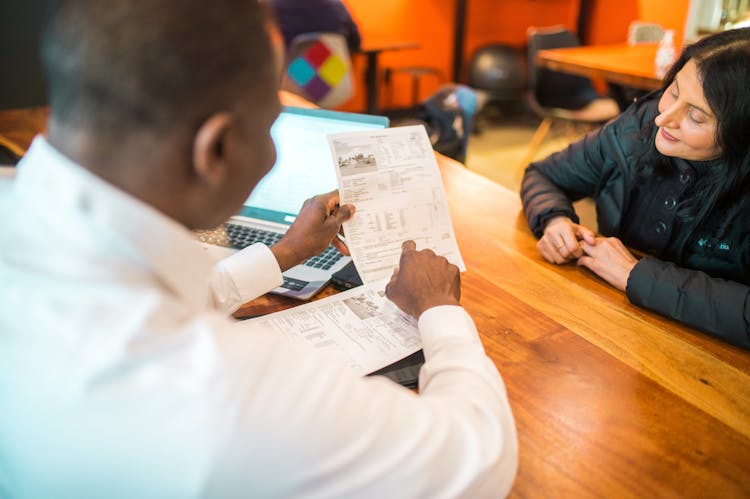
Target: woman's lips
x=667, y=136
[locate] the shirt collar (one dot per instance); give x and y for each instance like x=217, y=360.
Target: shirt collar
x=159, y=242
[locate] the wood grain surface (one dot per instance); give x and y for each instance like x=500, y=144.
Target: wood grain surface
x=632, y=66
x=610, y=400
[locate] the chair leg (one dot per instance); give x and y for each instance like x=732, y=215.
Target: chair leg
x=536, y=141
x=415, y=91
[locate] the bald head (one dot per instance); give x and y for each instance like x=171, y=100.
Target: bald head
x=117, y=67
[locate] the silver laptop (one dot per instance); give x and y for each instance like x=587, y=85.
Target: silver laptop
x=303, y=168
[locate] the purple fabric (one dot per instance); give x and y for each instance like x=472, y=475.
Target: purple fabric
x=316, y=88
x=296, y=17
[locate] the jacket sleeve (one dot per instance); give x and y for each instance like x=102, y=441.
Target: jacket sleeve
x=550, y=186
x=717, y=306
x=599, y=161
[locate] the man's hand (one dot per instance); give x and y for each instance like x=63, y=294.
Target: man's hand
x=609, y=259
x=561, y=240
x=423, y=280
x=315, y=228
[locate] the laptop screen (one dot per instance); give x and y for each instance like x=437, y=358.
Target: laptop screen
x=304, y=166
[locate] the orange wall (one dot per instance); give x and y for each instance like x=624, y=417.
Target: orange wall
x=506, y=21
x=671, y=14
x=430, y=23
x=427, y=22
x=609, y=19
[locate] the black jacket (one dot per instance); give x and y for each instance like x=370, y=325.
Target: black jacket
x=691, y=274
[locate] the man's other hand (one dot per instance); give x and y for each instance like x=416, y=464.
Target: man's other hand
x=316, y=226
x=423, y=280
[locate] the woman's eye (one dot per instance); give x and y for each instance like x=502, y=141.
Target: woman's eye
x=695, y=119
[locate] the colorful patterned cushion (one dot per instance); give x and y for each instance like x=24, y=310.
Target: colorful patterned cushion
x=317, y=70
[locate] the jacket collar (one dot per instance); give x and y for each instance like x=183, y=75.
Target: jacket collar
x=126, y=225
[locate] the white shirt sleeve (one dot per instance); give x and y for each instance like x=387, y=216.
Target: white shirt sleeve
x=310, y=428
x=244, y=276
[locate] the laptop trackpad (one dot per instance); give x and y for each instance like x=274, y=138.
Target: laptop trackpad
x=303, y=282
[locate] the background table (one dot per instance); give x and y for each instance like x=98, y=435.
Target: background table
x=624, y=64
x=372, y=48
x=610, y=400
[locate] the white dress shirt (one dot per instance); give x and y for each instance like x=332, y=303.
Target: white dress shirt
x=121, y=374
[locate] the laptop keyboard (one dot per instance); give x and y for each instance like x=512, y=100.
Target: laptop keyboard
x=239, y=236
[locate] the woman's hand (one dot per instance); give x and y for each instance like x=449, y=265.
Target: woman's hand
x=609, y=259
x=561, y=240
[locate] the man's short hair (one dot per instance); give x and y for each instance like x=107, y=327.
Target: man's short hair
x=115, y=66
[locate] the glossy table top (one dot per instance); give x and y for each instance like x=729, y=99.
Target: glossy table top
x=624, y=64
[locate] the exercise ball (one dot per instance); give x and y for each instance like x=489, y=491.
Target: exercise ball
x=500, y=70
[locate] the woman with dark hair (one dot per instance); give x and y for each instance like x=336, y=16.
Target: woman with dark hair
x=670, y=178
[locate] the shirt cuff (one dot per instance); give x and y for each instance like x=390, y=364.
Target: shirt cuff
x=446, y=323
x=253, y=270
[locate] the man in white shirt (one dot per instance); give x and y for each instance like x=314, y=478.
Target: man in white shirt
x=121, y=374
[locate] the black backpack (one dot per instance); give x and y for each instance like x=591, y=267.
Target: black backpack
x=448, y=115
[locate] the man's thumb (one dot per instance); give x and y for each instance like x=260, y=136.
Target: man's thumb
x=343, y=213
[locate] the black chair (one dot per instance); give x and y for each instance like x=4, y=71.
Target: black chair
x=557, y=96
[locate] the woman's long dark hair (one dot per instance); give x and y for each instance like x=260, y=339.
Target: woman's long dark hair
x=723, y=62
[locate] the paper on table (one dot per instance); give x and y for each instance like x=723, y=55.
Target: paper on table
x=360, y=326
x=392, y=178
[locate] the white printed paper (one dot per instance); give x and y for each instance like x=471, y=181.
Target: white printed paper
x=391, y=176
x=360, y=326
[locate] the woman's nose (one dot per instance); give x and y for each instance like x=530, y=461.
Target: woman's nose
x=669, y=117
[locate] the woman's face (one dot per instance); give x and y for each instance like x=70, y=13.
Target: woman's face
x=687, y=126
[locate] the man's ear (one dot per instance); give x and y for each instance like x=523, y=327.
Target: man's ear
x=209, y=149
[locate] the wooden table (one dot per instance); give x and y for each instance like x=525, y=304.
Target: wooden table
x=624, y=64
x=18, y=127
x=610, y=400
x=372, y=48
